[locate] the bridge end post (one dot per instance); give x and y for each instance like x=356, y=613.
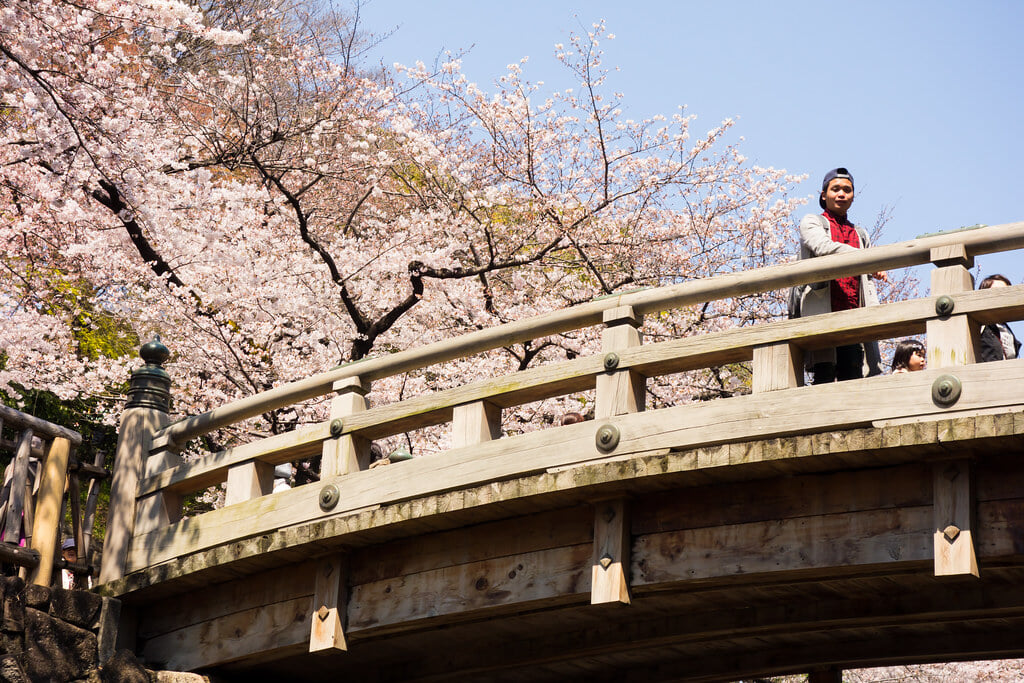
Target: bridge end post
x=145, y=414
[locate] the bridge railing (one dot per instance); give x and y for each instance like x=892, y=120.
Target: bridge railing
x=146, y=526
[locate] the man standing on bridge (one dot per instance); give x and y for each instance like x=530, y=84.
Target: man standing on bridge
x=830, y=232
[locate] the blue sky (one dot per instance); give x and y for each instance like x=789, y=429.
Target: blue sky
x=922, y=101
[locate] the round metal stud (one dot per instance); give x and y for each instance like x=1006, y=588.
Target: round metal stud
x=329, y=497
x=336, y=425
x=607, y=438
x=611, y=361
x=944, y=305
x=946, y=390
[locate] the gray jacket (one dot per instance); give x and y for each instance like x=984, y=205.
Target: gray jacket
x=816, y=240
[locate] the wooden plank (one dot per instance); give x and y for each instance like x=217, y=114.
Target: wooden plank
x=46, y=536
x=788, y=497
x=280, y=627
x=819, y=543
x=465, y=545
x=547, y=576
x=757, y=416
x=475, y=423
x=248, y=480
x=210, y=602
x=954, y=526
x=778, y=366
x=327, y=632
x=610, y=563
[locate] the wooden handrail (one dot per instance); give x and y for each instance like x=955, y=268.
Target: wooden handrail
x=677, y=355
x=900, y=255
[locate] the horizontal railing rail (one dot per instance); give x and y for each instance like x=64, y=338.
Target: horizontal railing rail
x=903, y=318
x=904, y=254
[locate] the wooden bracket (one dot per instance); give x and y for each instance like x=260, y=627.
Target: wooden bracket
x=327, y=630
x=953, y=483
x=610, y=567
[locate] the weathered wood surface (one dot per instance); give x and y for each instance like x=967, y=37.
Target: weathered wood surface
x=757, y=416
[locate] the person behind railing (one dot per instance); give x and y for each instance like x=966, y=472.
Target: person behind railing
x=830, y=232
x=997, y=341
x=909, y=357
x=69, y=551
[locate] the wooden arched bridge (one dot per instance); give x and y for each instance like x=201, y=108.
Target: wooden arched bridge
x=794, y=529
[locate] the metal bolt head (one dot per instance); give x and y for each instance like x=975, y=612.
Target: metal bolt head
x=611, y=361
x=336, y=426
x=607, y=438
x=946, y=390
x=329, y=497
x=944, y=305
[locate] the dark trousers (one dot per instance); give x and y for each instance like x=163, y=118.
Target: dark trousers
x=849, y=365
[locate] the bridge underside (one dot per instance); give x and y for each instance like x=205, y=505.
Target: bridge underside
x=784, y=555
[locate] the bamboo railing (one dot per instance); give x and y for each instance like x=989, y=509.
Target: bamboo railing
x=146, y=526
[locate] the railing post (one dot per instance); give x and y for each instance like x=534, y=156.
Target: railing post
x=952, y=339
x=777, y=366
x=145, y=414
x=475, y=423
x=48, y=508
x=348, y=452
x=619, y=391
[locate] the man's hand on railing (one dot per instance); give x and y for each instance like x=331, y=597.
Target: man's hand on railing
x=881, y=275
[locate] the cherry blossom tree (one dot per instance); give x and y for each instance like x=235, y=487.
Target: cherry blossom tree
x=236, y=184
